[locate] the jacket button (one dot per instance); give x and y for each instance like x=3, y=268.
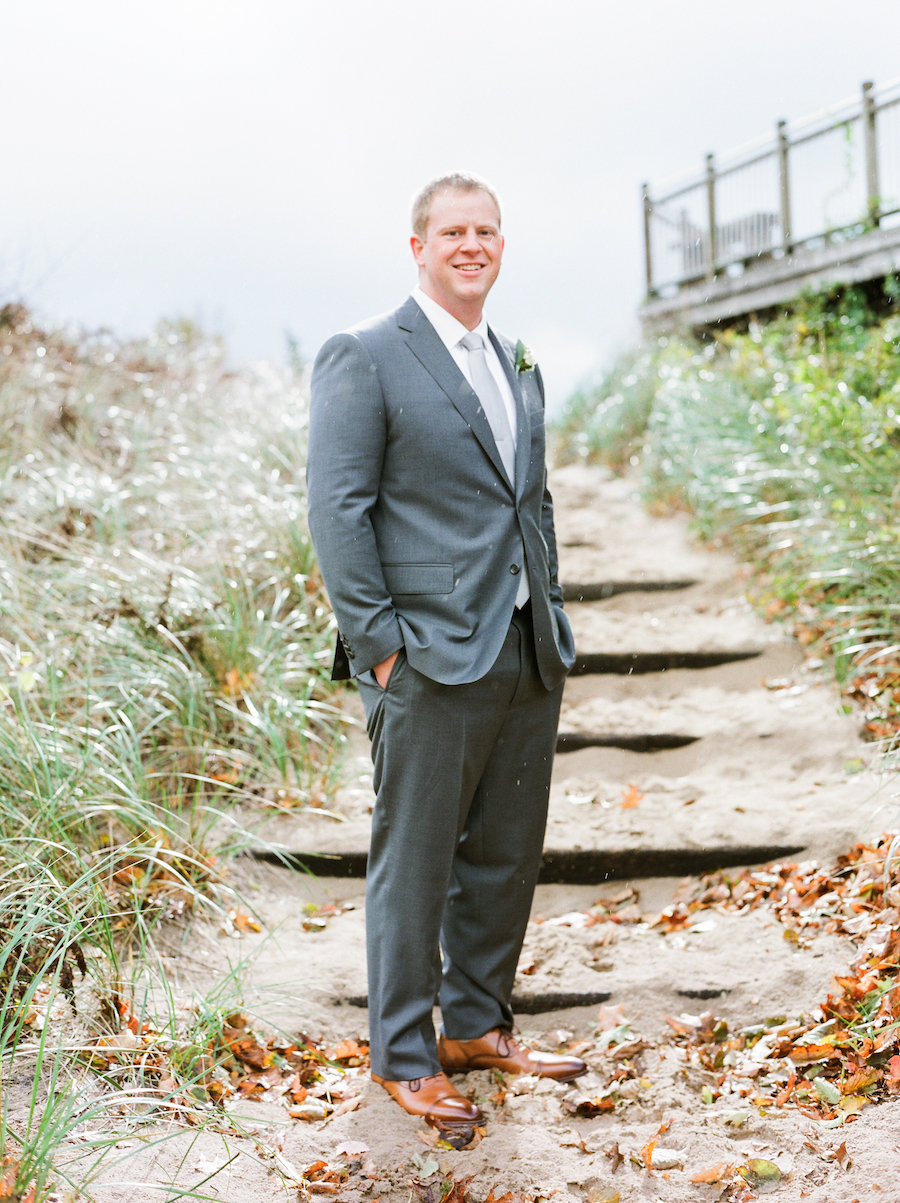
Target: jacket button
x=514, y=569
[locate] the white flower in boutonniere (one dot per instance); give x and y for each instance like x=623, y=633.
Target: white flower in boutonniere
x=525, y=359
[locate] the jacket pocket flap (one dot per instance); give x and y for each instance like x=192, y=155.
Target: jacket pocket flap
x=418, y=578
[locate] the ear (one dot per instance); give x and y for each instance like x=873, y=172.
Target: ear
x=418, y=249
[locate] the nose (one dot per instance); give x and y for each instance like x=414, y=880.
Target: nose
x=470, y=243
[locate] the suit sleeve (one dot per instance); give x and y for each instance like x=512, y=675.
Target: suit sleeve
x=548, y=530
x=347, y=438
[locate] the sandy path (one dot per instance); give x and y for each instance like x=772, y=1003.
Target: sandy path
x=775, y=761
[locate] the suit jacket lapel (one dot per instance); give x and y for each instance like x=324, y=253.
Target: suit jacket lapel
x=423, y=341
x=523, y=424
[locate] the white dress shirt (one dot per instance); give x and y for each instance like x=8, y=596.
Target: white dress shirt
x=450, y=331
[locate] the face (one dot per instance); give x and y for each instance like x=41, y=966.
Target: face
x=459, y=258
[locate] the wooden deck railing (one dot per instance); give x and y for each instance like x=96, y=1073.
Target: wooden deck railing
x=826, y=178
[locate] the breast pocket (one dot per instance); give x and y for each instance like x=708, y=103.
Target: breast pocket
x=418, y=578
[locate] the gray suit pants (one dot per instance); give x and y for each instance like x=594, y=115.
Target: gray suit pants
x=462, y=777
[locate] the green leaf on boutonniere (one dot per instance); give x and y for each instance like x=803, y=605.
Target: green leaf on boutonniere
x=525, y=359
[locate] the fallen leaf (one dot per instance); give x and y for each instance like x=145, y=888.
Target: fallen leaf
x=647, y=1153
x=348, y=1050
x=785, y=1093
x=853, y=1103
x=237, y=682
x=425, y=1165
x=715, y=1173
x=352, y=1149
x=574, y=1141
x=614, y=1155
x=609, y=1018
x=760, y=1175
x=667, y=1159
x=892, y=1081
x=457, y=1191
x=632, y=797
x=288, y=1170
x=827, y=1091
x=210, y=1167
x=841, y=1156
x=734, y=1119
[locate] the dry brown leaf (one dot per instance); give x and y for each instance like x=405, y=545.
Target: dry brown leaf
x=841, y=1156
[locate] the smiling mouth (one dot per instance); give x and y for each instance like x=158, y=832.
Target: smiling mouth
x=468, y=267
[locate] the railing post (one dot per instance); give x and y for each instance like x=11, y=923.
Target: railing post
x=648, y=248
x=784, y=186
x=873, y=197
x=711, y=249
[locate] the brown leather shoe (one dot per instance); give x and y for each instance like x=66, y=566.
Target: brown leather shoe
x=436, y=1099
x=498, y=1049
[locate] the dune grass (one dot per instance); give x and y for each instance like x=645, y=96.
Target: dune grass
x=164, y=657
x=783, y=441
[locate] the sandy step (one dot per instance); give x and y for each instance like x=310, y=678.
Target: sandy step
x=620, y=627
x=601, y=590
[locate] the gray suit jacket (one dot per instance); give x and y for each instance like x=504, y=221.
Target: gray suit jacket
x=420, y=534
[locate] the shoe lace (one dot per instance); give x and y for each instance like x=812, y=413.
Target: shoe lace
x=507, y=1045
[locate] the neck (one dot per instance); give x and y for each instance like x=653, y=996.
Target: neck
x=468, y=313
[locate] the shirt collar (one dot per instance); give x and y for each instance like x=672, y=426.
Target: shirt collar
x=449, y=330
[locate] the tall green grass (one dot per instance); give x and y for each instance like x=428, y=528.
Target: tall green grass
x=164, y=654
x=783, y=440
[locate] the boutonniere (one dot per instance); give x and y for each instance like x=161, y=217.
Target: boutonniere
x=525, y=359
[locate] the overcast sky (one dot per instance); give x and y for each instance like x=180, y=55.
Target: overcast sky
x=251, y=164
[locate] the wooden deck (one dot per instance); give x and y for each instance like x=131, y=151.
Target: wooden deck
x=871, y=256
x=814, y=205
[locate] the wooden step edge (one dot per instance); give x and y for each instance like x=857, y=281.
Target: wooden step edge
x=634, y=663
x=585, y=866
x=660, y=741
x=601, y=590
x=524, y=1004
x=561, y=1000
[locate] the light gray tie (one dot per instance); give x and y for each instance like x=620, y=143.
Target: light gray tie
x=495, y=411
x=492, y=402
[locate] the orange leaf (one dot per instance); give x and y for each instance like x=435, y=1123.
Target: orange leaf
x=243, y=922
x=237, y=682
x=715, y=1173
x=632, y=796
x=647, y=1153
x=892, y=1081
x=346, y=1050
x=785, y=1094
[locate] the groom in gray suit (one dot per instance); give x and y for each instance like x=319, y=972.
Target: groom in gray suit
x=433, y=526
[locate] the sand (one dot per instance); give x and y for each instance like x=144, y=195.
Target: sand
x=776, y=760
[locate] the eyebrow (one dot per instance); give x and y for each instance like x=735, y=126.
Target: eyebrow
x=460, y=225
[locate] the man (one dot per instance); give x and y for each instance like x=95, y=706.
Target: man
x=434, y=531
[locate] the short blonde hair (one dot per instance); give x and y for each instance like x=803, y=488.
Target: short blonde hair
x=455, y=181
